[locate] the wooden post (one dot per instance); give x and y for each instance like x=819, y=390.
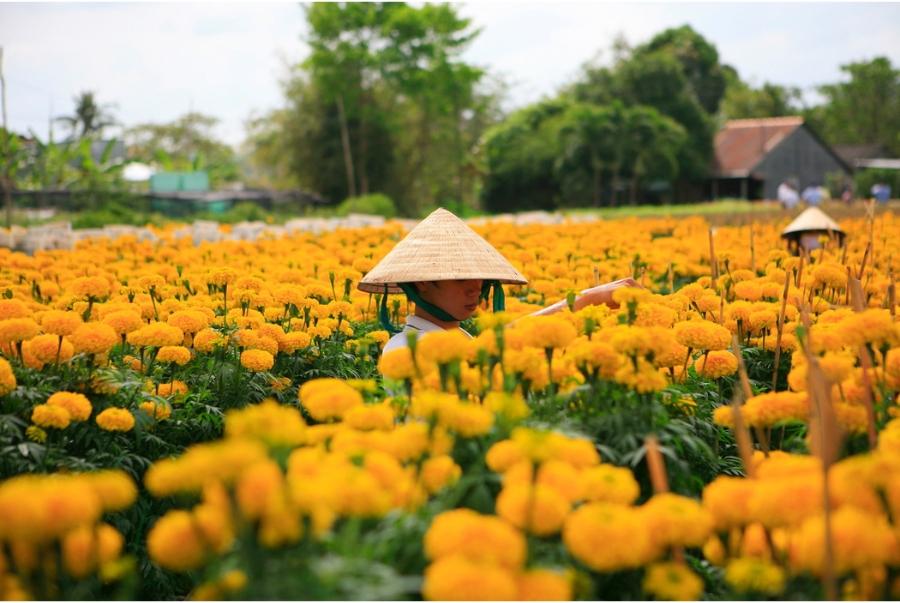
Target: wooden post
x=780, y=327
x=712, y=259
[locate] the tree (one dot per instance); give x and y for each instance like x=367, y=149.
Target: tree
x=186, y=144
x=90, y=119
x=865, y=109
x=742, y=101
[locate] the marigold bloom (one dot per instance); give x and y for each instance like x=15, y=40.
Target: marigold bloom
x=78, y=406
x=123, y=321
x=702, y=335
x=859, y=540
x=13, y=308
x=672, y=581
x=159, y=411
x=439, y=472
x=457, y=578
x=607, y=537
x=7, y=377
x=481, y=538
x=175, y=354
x=96, y=287
x=157, y=334
x=543, y=585
x=269, y=422
x=755, y=575
x=257, y=360
x=45, y=415
x=293, y=341
x=547, y=331
x=675, y=520
x=174, y=388
x=208, y=339
x=18, y=329
x=46, y=348
x=397, y=364
x=257, y=487
x=115, y=419
x=176, y=543
x=538, y=509
x=443, y=347
x=512, y=407
x=727, y=500
x=370, y=416
x=189, y=321
x=716, y=364
x=328, y=398
x=60, y=322
x=87, y=548
x=608, y=483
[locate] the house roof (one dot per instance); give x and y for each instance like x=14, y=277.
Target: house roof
x=742, y=143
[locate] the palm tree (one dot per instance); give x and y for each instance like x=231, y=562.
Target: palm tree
x=90, y=118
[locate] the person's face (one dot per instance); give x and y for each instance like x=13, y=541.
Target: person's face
x=458, y=298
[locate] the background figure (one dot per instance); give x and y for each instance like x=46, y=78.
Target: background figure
x=787, y=195
x=881, y=192
x=847, y=194
x=812, y=195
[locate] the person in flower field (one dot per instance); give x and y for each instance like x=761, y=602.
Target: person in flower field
x=446, y=269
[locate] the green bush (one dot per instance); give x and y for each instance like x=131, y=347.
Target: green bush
x=374, y=204
x=865, y=178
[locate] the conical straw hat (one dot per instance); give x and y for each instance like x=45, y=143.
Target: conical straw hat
x=813, y=219
x=440, y=248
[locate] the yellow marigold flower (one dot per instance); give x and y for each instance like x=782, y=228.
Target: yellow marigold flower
x=830, y=275
x=504, y=454
x=512, y=407
x=716, y=364
x=370, y=416
x=157, y=334
x=675, y=520
x=159, y=411
x=443, y=347
x=770, y=408
x=547, y=331
x=562, y=477
x=607, y=537
x=208, y=339
x=538, y=509
x=89, y=286
x=176, y=543
x=439, y=472
x=78, y=406
x=7, y=377
x=859, y=540
x=727, y=499
x=189, y=321
x=257, y=487
x=749, y=290
x=643, y=378
x=176, y=354
x=36, y=434
x=328, y=398
x=93, y=338
x=115, y=419
x=13, y=308
x=544, y=585
x=457, y=578
x=44, y=415
x=124, y=321
x=18, y=329
x=269, y=421
x=702, y=335
x=874, y=326
x=467, y=420
x=222, y=276
x=595, y=354
x=397, y=364
x=257, y=360
x=219, y=461
x=60, y=322
x=482, y=538
x=174, y=388
x=293, y=341
x=755, y=575
x=608, y=483
x=46, y=348
x=672, y=581
x=86, y=548
x=786, y=501
x=851, y=417
x=114, y=487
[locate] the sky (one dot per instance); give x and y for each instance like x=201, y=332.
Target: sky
x=153, y=62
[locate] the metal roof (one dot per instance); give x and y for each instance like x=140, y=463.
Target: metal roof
x=742, y=143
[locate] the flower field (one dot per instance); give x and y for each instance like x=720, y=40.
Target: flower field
x=212, y=422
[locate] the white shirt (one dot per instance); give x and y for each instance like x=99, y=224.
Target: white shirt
x=414, y=324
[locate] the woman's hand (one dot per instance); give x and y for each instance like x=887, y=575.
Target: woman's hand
x=603, y=294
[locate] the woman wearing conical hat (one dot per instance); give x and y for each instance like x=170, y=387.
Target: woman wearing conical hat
x=446, y=269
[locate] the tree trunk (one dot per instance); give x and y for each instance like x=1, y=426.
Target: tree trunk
x=632, y=190
x=345, y=144
x=597, y=192
x=363, y=145
x=615, y=187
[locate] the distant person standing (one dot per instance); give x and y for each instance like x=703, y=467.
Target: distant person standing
x=812, y=195
x=847, y=194
x=881, y=192
x=787, y=195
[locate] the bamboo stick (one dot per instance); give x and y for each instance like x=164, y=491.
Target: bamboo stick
x=761, y=436
x=780, y=327
x=656, y=464
x=865, y=362
x=712, y=259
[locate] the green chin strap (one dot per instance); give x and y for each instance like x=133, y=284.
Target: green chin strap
x=499, y=303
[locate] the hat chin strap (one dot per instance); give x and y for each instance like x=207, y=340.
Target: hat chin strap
x=499, y=303
x=438, y=313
